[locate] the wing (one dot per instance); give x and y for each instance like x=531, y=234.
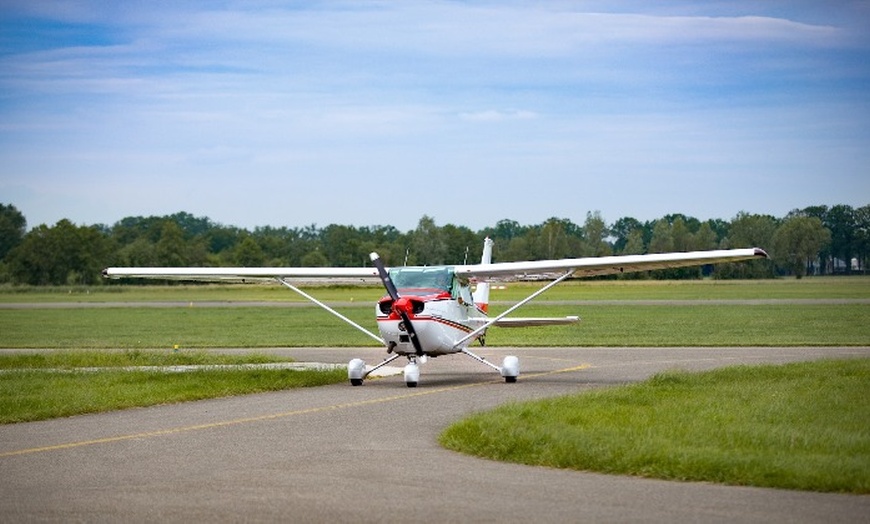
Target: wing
x=596, y=266
x=242, y=273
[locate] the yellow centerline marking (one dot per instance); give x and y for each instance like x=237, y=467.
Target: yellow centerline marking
x=273, y=416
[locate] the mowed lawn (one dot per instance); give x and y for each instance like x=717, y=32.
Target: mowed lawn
x=798, y=426
x=821, y=311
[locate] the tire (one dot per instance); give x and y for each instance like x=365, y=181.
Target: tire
x=356, y=382
x=510, y=380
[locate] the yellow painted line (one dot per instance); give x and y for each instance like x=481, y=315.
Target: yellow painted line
x=262, y=418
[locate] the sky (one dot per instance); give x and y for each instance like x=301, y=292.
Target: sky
x=265, y=113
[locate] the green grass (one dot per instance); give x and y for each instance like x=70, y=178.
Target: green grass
x=601, y=325
x=258, y=292
x=66, y=360
x=51, y=384
x=786, y=288
x=800, y=426
x=604, y=324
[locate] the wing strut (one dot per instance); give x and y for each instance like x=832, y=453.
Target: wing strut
x=510, y=310
x=334, y=312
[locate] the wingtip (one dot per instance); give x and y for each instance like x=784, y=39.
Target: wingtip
x=761, y=253
x=374, y=256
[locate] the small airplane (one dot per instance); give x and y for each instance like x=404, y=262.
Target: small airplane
x=430, y=311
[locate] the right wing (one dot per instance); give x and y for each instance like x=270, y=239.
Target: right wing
x=242, y=273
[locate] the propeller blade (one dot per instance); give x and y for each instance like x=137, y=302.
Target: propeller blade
x=385, y=277
x=412, y=333
x=394, y=294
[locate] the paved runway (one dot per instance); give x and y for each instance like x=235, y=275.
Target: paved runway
x=369, y=454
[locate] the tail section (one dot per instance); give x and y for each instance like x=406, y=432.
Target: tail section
x=481, y=294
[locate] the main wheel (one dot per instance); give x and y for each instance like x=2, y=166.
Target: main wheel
x=356, y=382
x=411, y=384
x=510, y=380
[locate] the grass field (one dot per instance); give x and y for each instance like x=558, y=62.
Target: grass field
x=38, y=386
x=799, y=426
x=807, y=288
x=710, y=322
x=602, y=325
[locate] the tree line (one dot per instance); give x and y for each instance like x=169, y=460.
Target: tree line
x=815, y=240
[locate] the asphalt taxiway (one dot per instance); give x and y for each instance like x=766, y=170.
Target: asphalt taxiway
x=370, y=453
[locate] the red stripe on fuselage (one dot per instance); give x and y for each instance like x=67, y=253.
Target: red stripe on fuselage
x=449, y=323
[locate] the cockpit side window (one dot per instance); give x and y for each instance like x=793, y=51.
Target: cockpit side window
x=462, y=290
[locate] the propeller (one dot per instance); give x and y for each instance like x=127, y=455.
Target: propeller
x=402, y=306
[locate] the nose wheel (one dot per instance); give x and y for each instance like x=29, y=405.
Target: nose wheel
x=412, y=374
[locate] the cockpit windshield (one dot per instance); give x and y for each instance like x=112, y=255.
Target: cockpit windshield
x=439, y=279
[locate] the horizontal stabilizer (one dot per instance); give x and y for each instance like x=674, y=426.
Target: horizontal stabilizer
x=540, y=321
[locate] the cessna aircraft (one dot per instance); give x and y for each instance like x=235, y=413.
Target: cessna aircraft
x=431, y=311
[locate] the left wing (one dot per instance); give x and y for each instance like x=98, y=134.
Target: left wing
x=597, y=266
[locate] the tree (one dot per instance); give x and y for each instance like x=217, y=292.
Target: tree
x=171, y=248
x=341, y=245
x=12, y=228
x=462, y=245
x=748, y=230
x=634, y=244
x=662, y=240
x=505, y=230
x=428, y=246
x=315, y=259
x=705, y=238
x=798, y=241
x=681, y=235
x=862, y=236
x=820, y=212
x=595, y=234
x=140, y=252
x=671, y=234
x=556, y=238
x=62, y=254
x=249, y=253
x=621, y=230
x=842, y=224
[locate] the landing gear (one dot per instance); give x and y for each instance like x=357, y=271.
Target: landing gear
x=412, y=374
x=356, y=371
x=510, y=369
x=356, y=368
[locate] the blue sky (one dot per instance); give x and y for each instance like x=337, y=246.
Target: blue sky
x=372, y=113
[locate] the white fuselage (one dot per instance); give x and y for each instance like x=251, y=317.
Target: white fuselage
x=440, y=321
